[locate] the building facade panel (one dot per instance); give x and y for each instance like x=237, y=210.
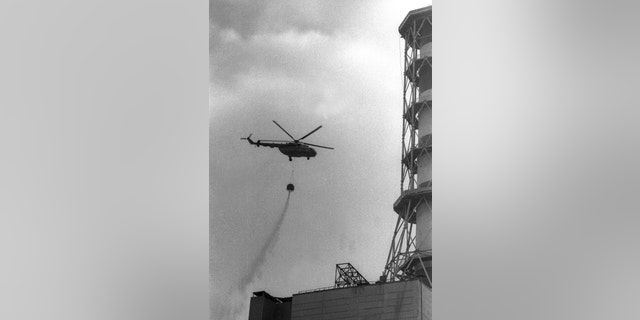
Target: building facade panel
x=394, y=300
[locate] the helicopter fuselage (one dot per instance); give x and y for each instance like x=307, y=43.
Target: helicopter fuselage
x=295, y=150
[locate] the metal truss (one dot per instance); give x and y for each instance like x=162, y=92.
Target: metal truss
x=405, y=261
x=348, y=276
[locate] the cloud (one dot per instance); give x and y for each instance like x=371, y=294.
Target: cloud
x=305, y=71
x=229, y=36
x=311, y=57
x=251, y=17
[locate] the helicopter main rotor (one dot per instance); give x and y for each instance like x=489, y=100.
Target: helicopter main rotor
x=298, y=140
x=285, y=131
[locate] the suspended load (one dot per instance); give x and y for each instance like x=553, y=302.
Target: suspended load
x=290, y=187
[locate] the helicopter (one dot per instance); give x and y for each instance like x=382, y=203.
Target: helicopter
x=293, y=149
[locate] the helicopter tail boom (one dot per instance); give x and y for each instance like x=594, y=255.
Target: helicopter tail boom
x=249, y=139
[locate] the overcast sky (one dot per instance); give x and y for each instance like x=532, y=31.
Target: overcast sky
x=302, y=63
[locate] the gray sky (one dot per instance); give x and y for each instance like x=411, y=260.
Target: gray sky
x=303, y=64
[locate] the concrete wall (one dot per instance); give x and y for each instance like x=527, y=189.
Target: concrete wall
x=423, y=220
x=426, y=304
x=424, y=227
x=264, y=308
x=425, y=94
x=260, y=308
x=426, y=50
x=425, y=122
x=424, y=169
x=424, y=82
x=387, y=301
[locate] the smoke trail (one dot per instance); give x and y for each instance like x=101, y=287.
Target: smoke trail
x=236, y=305
x=256, y=266
x=237, y=298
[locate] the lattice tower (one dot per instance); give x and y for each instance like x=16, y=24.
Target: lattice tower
x=410, y=254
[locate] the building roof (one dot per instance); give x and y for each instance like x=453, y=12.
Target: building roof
x=270, y=297
x=411, y=16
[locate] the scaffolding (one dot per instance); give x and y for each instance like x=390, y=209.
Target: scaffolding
x=405, y=260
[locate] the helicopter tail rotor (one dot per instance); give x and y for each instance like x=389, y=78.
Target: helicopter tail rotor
x=251, y=141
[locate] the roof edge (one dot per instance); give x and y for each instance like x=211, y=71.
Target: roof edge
x=413, y=13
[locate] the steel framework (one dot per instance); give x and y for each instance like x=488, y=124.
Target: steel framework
x=348, y=276
x=405, y=260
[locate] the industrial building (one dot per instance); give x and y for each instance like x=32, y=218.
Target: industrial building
x=405, y=286
x=409, y=300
